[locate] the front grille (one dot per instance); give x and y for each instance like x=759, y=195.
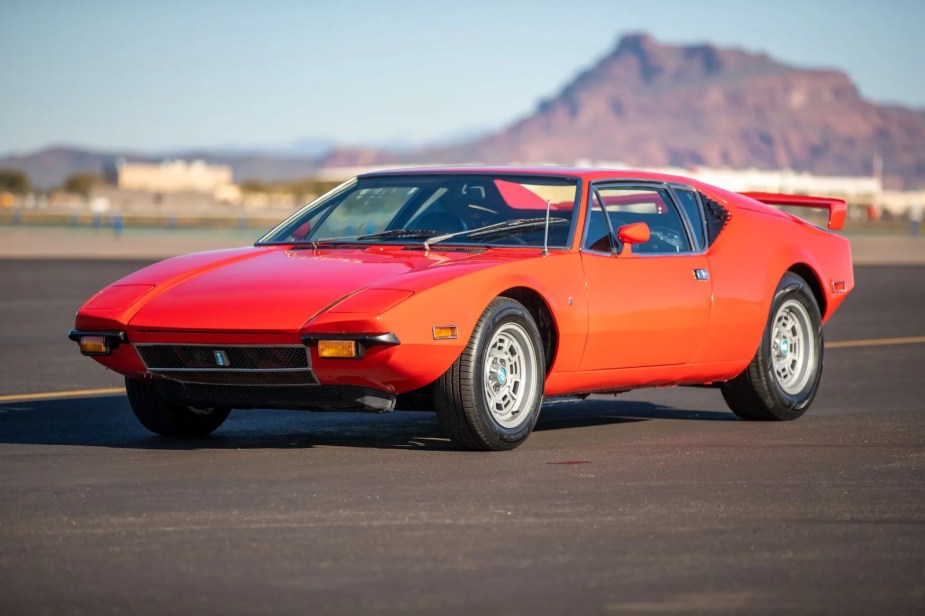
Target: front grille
x=229, y=365
x=191, y=357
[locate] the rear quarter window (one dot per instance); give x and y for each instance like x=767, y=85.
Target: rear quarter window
x=691, y=206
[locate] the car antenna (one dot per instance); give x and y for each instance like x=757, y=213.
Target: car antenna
x=546, y=232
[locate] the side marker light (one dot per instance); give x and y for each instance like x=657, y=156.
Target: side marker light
x=94, y=345
x=445, y=332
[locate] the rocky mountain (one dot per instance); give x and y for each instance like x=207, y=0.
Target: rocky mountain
x=651, y=104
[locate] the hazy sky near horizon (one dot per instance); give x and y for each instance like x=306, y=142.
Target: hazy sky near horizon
x=175, y=74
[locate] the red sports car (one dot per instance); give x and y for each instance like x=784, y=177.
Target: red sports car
x=480, y=292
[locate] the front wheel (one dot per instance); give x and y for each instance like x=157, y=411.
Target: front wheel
x=490, y=397
x=168, y=419
x=782, y=379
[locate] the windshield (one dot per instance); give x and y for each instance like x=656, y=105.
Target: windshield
x=415, y=208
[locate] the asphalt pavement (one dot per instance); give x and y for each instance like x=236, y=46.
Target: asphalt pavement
x=656, y=501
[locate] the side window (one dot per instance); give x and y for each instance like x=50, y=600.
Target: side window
x=691, y=206
x=653, y=206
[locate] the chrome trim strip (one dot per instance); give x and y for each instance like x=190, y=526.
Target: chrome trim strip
x=220, y=345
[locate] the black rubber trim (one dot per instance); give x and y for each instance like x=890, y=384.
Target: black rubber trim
x=307, y=397
x=113, y=338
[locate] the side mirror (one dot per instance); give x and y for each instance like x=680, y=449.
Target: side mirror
x=302, y=232
x=634, y=233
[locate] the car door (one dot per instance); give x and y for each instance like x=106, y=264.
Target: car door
x=648, y=304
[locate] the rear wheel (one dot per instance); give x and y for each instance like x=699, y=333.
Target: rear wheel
x=168, y=419
x=490, y=397
x=782, y=379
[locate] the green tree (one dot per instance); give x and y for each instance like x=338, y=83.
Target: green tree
x=251, y=185
x=14, y=181
x=81, y=183
x=309, y=188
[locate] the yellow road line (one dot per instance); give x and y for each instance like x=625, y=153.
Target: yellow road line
x=875, y=342
x=62, y=394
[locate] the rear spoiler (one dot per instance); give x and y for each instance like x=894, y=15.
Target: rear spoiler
x=838, y=208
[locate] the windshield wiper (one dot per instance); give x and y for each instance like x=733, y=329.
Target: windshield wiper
x=507, y=227
x=353, y=239
x=330, y=241
x=405, y=234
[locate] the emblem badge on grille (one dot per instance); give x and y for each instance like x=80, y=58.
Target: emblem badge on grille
x=221, y=359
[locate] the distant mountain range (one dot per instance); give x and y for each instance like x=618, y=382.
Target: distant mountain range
x=644, y=104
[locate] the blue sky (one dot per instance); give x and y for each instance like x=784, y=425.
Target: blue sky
x=171, y=74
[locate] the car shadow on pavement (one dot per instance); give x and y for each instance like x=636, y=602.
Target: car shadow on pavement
x=635, y=409
x=108, y=422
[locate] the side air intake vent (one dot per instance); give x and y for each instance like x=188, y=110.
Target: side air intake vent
x=717, y=216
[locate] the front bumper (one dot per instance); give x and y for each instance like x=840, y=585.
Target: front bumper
x=300, y=397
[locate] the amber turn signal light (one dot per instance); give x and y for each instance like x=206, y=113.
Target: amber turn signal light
x=445, y=332
x=94, y=345
x=338, y=348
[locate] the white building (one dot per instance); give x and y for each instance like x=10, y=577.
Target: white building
x=173, y=176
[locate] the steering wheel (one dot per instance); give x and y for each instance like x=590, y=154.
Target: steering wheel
x=439, y=221
x=665, y=239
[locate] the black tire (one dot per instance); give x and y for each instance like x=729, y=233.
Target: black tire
x=168, y=419
x=505, y=356
x=782, y=379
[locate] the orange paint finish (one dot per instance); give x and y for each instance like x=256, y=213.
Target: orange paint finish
x=454, y=294
x=645, y=310
x=837, y=208
x=118, y=296
x=124, y=360
x=618, y=322
x=748, y=259
x=285, y=287
x=392, y=369
x=211, y=338
x=633, y=378
x=741, y=277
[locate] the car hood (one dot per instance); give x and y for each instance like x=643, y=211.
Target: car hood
x=275, y=290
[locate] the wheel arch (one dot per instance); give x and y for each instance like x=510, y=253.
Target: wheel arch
x=539, y=309
x=808, y=274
